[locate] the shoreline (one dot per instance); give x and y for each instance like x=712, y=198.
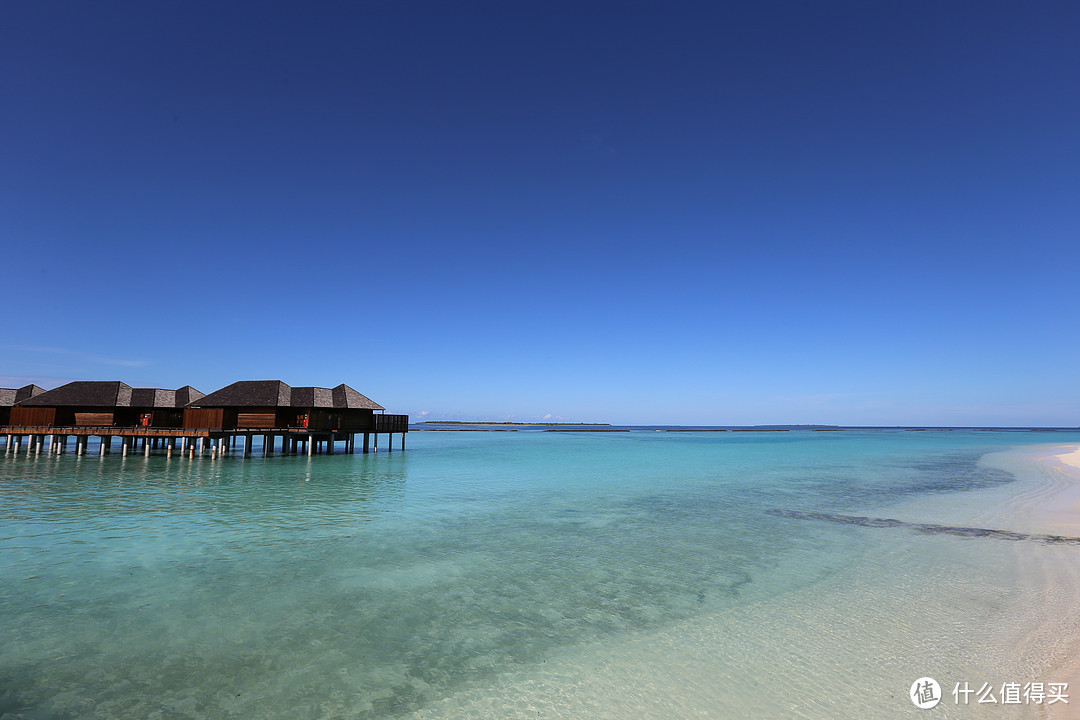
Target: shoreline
x=1059, y=508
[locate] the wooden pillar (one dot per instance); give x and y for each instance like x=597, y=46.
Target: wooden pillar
x=170, y=445
x=125, y=445
x=202, y=444
x=367, y=439
x=247, y=445
x=268, y=444
x=403, y=442
x=310, y=444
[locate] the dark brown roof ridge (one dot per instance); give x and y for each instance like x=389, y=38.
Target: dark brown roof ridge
x=248, y=393
x=84, y=393
x=346, y=397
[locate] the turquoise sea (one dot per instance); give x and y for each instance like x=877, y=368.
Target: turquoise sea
x=538, y=574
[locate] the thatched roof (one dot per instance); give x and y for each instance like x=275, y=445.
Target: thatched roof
x=10, y=397
x=245, y=393
x=108, y=394
x=187, y=395
x=248, y=393
x=346, y=397
x=153, y=398
x=157, y=398
x=274, y=393
x=82, y=393
x=312, y=397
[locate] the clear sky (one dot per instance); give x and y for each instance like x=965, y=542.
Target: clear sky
x=631, y=212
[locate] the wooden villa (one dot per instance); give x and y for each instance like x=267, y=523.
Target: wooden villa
x=311, y=418
x=10, y=397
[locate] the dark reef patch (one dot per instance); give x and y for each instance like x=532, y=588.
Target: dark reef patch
x=927, y=528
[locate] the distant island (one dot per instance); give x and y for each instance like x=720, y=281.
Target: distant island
x=484, y=422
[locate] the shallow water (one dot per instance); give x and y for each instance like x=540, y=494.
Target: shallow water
x=497, y=574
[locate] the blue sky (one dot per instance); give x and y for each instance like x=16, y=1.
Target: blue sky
x=628, y=212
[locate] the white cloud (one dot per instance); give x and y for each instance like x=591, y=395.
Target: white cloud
x=79, y=355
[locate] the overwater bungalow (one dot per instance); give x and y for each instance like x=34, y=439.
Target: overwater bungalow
x=311, y=418
x=104, y=404
x=299, y=415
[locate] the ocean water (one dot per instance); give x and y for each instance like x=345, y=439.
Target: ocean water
x=538, y=574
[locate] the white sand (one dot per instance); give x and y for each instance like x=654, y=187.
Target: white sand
x=1071, y=458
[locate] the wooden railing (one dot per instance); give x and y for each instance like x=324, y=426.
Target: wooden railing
x=391, y=423
x=102, y=430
